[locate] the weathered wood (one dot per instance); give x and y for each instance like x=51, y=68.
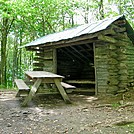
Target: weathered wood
x=120, y=22
x=38, y=64
x=21, y=84
x=67, y=86
x=123, y=78
x=84, y=90
x=80, y=81
x=48, y=63
x=23, y=88
x=112, y=54
x=32, y=92
x=112, y=61
x=118, y=29
x=37, y=69
x=42, y=74
x=113, y=82
x=54, y=63
x=123, y=72
x=41, y=59
x=112, y=47
x=96, y=80
x=107, y=39
x=61, y=90
x=112, y=89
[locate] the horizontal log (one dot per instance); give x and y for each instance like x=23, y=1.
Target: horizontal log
x=38, y=64
x=122, y=57
x=120, y=22
x=113, y=74
x=112, y=47
x=48, y=63
x=125, y=51
x=121, y=36
x=80, y=81
x=127, y=62
x=118, y=29
x=113, y=82
x=113, y=70
x=112, y=54
x=113, y=77
x=112, y=67
x=112, y=61
x=107, y=39
x=123, y=43
x=100, y=74
x=38, y=69
x=123, y=72
x=48, y=69
x=122, y=85
x=123, y=78
x=112, y=89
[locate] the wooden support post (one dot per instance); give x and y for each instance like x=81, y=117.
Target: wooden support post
x=62, y=91
x=32, y=92
x=96, y=82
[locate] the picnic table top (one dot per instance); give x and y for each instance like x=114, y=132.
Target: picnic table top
x=42, y=74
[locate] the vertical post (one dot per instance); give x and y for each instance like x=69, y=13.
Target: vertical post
x=61, y=90
x=96, y=82
x=54, y=61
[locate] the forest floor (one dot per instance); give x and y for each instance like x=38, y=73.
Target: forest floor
x=50, y=115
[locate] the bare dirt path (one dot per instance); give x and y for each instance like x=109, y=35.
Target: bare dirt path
x=50, y=115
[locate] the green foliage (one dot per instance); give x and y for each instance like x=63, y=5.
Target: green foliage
x=115, y=105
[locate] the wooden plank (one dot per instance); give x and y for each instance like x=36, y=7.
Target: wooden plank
x=62, y=91
x=48, y=63
x=84, y=90
x=95, y=69
x=67, y=86
x=23, y=88
x=38, y=64
x=80, y=81
x=54, y=64
x=32, y=92
x=42, y=74
x=107, y=39
x=21, y=84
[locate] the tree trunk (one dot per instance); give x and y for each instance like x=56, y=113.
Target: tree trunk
x=101, y=9
x=4, y=34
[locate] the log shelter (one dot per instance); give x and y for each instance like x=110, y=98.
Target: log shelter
x=98, y=55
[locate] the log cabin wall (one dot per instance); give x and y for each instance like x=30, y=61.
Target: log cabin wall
x=45, y=60
x=114, y=60
x=101, y=65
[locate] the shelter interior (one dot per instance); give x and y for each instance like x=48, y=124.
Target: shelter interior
x=76, y=63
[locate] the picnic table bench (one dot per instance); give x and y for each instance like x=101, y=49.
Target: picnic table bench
x=39, y=77
x=23, y=88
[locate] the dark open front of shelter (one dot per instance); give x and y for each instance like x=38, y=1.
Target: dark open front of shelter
x=99, y=55
x=76, y=63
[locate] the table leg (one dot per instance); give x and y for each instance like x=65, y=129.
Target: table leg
x=62, y=91
x=32, y=92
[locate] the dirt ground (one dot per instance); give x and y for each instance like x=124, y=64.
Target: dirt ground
x=50, y=115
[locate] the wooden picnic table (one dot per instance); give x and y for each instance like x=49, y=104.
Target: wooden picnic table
x=46, y=78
